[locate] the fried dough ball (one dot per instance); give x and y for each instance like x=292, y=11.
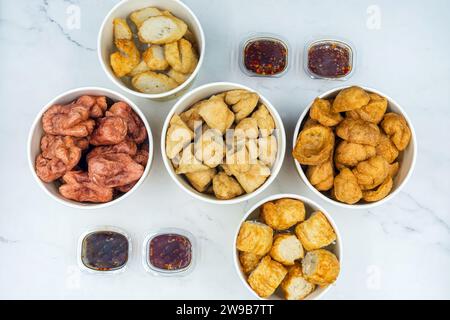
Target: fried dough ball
x=346, y=188
x=320, y=267
x=249, y=261
x=397, y=129
x=200, y=180
x=358, y=131
x=321, y=112
x=97, y=105
x=286, y=249
x=79, y=187
x=126, y=59
x=316, y=232
x=69, y=120
x=110, y=130
x=266, y=124
x=295, y=286
x=314, y=145
x=381, y=192
x=350, y=99
x=178, y=136
x=321, y=176
x=267, y=276
x=371, y=173
x=155, y=59
x=114, y=170
x=209, y=148
x=188, y=162
x=254, y=237
x=216, y=114
x=387, y=149
x=267, y=150
x=161, y=29
x=350, y=154
x=180, y=55
x=372, y=112
x=283, y=213
x=136, y=128
x=226, y=187
x=127, y=146
x=243, y=102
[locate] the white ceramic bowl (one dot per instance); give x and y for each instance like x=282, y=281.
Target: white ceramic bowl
x=205, y=92
x=105, y=43
x=310, y=207
x=36, y=133
x=407, y=158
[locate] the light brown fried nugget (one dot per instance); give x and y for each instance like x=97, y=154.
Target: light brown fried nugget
x=350, y=99
x=346, y=187
x=267, y=276
x=321, y=112
x=349, y=153
x=255, y=237
x=314, y=145
x=381, y=192
x=321, y=176
x=249, y=261
x=358, y=131
x=387, y=149
x=397, y=129
x=372, y=112
x=372, y=172
x=283, y=213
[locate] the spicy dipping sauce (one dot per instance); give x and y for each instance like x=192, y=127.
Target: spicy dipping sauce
x=170, y=252
x=265, y=57
x=104, y=251
x=329, y=59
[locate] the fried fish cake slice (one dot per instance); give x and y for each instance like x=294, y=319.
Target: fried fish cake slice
x=346, y=188
x=153, y=82
x=140, y=16
x=255, y=237
x=358, y=131
x=397, y=129
x=121, y=29
x=155, y=59
x=373, y=111
x=379, y=193
x=321, y=112
x=126, y=59
x=316, y=232
x=350, y=99
x=140, y=68
x=267, y=276
x=162, y=30
x=314, y=145
x=180, y=55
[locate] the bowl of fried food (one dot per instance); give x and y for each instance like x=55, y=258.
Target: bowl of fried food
x=151, y=48
x=90, y=148
x=287, y=247
x=354, y=147
x=223, y=143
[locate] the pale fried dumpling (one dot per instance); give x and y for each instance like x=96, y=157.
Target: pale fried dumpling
x=216, y=114
x=240, y=160
x=139, y=16
x=189, y=163
x=180, y=55
x=254, y=177
x=122, y=30
x=141, y=67
x=153, y=82
x=267, y=150
x=161, y=30
x=350, y=154
x=283, y=213
x=178, y=76
x=321, y=176
x=387, y=149
x=248, y=261
x=314, y=145
x=254, y=237
x=286, y=249
x=320, y=267
x=155, y=59
x=316, y=232
x=295, y=286
x=178, y=136
x=358, y=131
x=209, y=148
x=350, y=99
x=321, y=112
x=372, y=172
x=200, y=180
x=379, y=193
x=346, y=188
x=226, y=187
x=267, y=276
x=247, y=128
x=243, y=102
x=373, y=111
x=397, y=129
x=192, y=117
x=266, y=124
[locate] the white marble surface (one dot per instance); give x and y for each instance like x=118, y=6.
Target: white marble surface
x=401, y=250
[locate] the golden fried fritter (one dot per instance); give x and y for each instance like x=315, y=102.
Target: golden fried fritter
x=372, y=112
x=372, y=172
x=346, y=188
x=397, y=129
x=350, y=99
x=358, y=131
x=321, y=112
x=349, y=153
x=314, y=145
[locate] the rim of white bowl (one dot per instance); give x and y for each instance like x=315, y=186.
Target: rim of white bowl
x=413, y=144
x=89, y=206
x=162, y=95
x=310, y=203
x=274, y=170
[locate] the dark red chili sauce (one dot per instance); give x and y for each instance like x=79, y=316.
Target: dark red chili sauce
x=329, y=60
x=265, y=57
x=105, y=250
x=170, y=252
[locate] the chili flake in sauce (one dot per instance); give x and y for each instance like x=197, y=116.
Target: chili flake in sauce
x=105, y=251
x=330, y=60
x=170, y=252
x=265, y=57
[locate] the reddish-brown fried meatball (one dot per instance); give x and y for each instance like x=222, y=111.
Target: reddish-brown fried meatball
x=59, y=155
x=69, y=120
x=79, y=187
x=126, y=146
x=114, y=170
x=97, y=105
x=136, y=128
x=109, y=130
